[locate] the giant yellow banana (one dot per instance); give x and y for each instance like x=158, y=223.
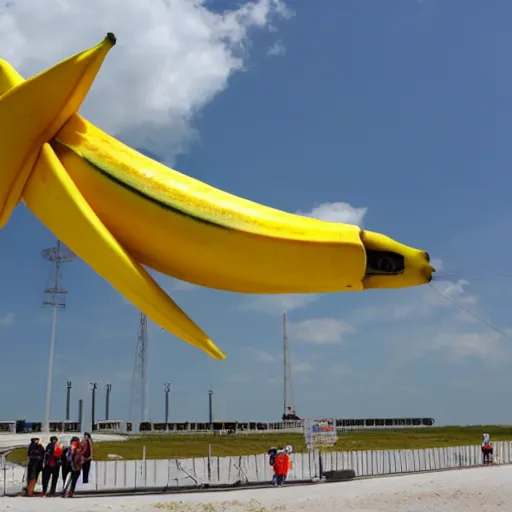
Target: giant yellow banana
x=118, y=209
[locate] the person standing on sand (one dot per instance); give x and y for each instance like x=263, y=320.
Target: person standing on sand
x=271, y=460
x=64, y=462
x=75, y=460
x=487, y=449
x=51, y=466
x=35, y=464
x=281, y=467
x=87, y=454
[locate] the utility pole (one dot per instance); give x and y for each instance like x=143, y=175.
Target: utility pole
x=108, y=389
x=140, y=386
x=80, y=413
x=167, y=389
x=287, y=374
x=210, y=405
x=68, y=399
x=93, y=388
x=54, y=297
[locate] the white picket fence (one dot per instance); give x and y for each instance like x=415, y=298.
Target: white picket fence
x=175, y=473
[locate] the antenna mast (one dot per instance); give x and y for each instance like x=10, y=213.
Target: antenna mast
x=287, y=373
x=140, y=387
x=54, y=297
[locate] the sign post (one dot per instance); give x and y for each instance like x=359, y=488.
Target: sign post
x=320, y=434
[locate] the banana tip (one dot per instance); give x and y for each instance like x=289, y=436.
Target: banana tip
x=112, y=38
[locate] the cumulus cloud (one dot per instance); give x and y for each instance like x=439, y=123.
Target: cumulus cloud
x=260, y=356
x=337, y=212
x=302, y=368
x=320, y=330
x=7, y=320
x=172, y=57
x=277, y=304
x=276, y=50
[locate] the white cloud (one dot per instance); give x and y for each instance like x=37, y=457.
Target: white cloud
x=302, y=368
x=337, y=212
x=320, y=330
x=260, y=356
x=446, y=294
x=448, y=322
x=7, y=320
x=464, y=344
x=277, y=304
x=423, y=301
x=276, y=50
x=172, y=57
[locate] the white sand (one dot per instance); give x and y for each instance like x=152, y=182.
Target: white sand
x=471, y=490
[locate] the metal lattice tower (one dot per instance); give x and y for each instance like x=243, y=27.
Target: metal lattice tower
x=54, y=297
x=140, y=386
x=287, y=373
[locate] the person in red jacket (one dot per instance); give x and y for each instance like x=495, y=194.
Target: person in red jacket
x=76, y=460
x=51, y=466
x=487, y=449
x=87, y=454
x=281, y=467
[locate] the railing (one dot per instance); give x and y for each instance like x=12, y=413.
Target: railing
x=176, y=473
x=231, y=427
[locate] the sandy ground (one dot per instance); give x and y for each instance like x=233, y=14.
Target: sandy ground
x=471, y=490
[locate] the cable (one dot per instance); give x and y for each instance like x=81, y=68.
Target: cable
x=470, y=313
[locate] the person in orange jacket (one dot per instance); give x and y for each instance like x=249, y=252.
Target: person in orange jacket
x=281, y=467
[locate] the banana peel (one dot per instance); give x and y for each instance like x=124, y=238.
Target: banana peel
x=119, y=210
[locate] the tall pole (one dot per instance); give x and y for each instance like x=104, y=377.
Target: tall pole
x=68, y=399
x=49, y=377
x=140, y=385
x=144, y=367
x=167, y=389
x=94, y=387
x=108, y=389
x=210, y=405
x=285, y=364
x=55, y=297
x=80, y=413
x=287, y=373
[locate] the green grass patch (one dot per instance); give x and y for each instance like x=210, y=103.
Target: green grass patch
x=187, y=446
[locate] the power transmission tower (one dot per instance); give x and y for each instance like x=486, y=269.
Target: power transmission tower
x=54, y=297
x=140, y=389
x=287, y=373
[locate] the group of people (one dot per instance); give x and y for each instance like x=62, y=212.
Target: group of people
x=279, y=459
x=48, y=462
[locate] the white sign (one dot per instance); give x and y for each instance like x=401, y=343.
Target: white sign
x=320, y=433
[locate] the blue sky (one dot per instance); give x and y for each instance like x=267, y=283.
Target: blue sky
x=400, y=109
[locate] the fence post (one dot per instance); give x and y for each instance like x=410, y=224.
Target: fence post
x=144, y=466
x=209, y=463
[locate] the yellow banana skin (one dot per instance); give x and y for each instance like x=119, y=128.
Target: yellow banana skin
x=50, y=193
x=118, y=210
x=190, y=230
